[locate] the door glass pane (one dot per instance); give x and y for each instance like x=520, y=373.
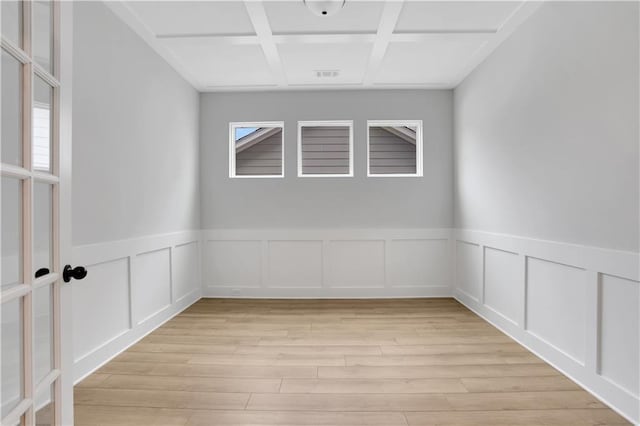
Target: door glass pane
x=11, y=373
x=43, y=331
x=12, y=21
x=42, y=226
x=42, y=129
x=42, y=33
x=44, y=407
x=11, y=232
x=11, y=109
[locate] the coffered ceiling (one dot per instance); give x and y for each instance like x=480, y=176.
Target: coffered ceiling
x=280, y=45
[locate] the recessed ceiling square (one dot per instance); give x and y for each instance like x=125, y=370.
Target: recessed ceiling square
x=302, y=61
x=439, y=61
x=421, y=16
x=193, y=17
x=218, y=64
x=295, y=17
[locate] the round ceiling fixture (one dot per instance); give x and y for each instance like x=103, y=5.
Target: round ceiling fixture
x=324, y=7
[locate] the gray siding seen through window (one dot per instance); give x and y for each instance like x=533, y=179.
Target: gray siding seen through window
x=392, y=150
x=325, y=150
x=263, y=158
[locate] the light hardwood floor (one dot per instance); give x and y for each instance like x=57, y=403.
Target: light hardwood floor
x=332, y=362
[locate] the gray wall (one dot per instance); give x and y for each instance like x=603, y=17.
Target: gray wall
x=547, y=129
x=356, y=202
x=135, y=135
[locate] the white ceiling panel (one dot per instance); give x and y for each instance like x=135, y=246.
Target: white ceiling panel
x=438, y=61
x=301, y=61
x=193, y=17
x=420, y=16
x=294, y=17
x=216, y=64
x=248, y=45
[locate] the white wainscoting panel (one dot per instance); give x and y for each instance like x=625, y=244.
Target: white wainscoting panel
x=503, y=283
x=416, y=263
x=557, y=306
x=327, y=263
x=620, y=345
x=295, y=264
x=577, y=307
x=127, y=293
x=185, y=270
x=234, y=263
x=151, y=291
x=100, y=306
x=355, y=264
x=468, y=276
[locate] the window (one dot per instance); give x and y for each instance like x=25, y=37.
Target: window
x=325, y=148
x=256, y=150
x=394, y=148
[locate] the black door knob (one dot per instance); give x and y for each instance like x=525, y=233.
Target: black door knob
x=41, y=272
x=77, y=273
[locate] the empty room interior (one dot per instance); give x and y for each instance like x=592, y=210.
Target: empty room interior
x=320, y=212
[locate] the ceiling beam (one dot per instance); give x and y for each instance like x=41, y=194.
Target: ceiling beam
x=390, y=15
x=329, y=38
x=258, y=17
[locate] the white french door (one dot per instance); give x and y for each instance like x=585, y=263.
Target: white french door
x=35, y=225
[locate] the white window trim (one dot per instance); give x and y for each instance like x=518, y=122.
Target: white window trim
x=232, y=147
x=419, y=144
x=332, y=123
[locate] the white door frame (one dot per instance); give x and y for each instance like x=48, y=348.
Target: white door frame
x=60, y=373
x=65, y=342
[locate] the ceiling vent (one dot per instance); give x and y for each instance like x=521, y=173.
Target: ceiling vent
x=327, y=73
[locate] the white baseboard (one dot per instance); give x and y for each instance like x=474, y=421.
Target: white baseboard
x=576, y=307
x=329, y=293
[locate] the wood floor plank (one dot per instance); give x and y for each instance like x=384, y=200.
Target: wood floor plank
x=518, y=384
x=519, y=418
x=331, y=362
x=160, y=398
x=191, y=384
x=545, y=400
x=133, y=356
x=436, y=371
x=295, y=418
x=201, y=340
x=452, y=338
x=309, y=349
x=183, y=348
x=319, y=341
x=179, y=370
x=367, y=386
x=436, y=349
x=448, y=359
x=270, y=360
x=92, y=415
x=348, y=402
